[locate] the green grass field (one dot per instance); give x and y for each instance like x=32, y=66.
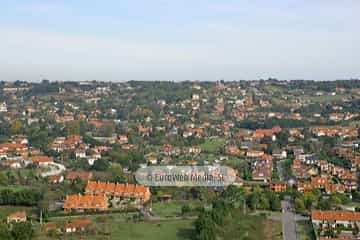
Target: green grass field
x=212, y=145
x=160, y=230
x=172, y=208
x=237, y=226
x=179, y=229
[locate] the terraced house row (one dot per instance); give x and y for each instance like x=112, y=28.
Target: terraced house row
x=98, y=194
x=118, y=190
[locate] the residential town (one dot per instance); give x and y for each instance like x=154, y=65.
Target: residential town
x=70, y=150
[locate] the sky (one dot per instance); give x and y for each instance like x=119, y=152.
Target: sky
x=118, y=40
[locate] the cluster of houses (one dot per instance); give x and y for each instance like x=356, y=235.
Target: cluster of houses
x=322, y=174
x=262, y=167
x=332, y=131
x=17, y=154
x=349, y=154
x=75, y=144
x=99, y=195
x=76, y=225
x=311, y=173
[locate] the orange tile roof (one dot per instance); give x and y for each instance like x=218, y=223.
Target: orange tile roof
x=74, y=138
x=11, y=146
x=77, y=201
x=78, y=223
x=319, y=181
x=335, y=215
x=41, y=159
x=117, y=189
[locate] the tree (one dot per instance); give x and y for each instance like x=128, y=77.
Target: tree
x=325, y=204
x=5, y=232
x=72, y=127
x=274, y=201
x=101, y=164
x=16, y=126
x=107, y=129
x=3, y=179
x=205, y=227
x=22, y=231
x=234, y=196
x=299, y=205
x=185, y=209
x=117, y=173
x=253, y=200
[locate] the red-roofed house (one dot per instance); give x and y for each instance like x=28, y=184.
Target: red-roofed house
x=85, y=202
x=76, y=225
x=16, y=217
x=42, y=160
x=335, y=218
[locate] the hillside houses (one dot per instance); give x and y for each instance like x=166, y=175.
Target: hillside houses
x=341, y=131
x=262, y=168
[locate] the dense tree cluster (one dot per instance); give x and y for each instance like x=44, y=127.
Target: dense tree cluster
x=24, y=197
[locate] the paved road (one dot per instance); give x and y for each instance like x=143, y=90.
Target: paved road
x=55, y=169
x=288, y=221
x=280, y=168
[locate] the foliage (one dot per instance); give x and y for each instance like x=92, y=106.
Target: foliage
x=24, y=197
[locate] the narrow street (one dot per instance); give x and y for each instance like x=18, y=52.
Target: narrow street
x=288, y=219
x=280, y=169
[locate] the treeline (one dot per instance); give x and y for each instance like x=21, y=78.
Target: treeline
x=23, y=197
x=324, y=85
x=313, y=199
x=271, y=122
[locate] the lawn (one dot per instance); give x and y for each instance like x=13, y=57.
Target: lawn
x=173, y=207
x=163, y=230
x=121, y=226
x=212, y=145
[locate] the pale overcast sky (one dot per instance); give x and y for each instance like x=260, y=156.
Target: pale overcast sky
x=179, y=39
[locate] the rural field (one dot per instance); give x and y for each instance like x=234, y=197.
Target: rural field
x=152, y=230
